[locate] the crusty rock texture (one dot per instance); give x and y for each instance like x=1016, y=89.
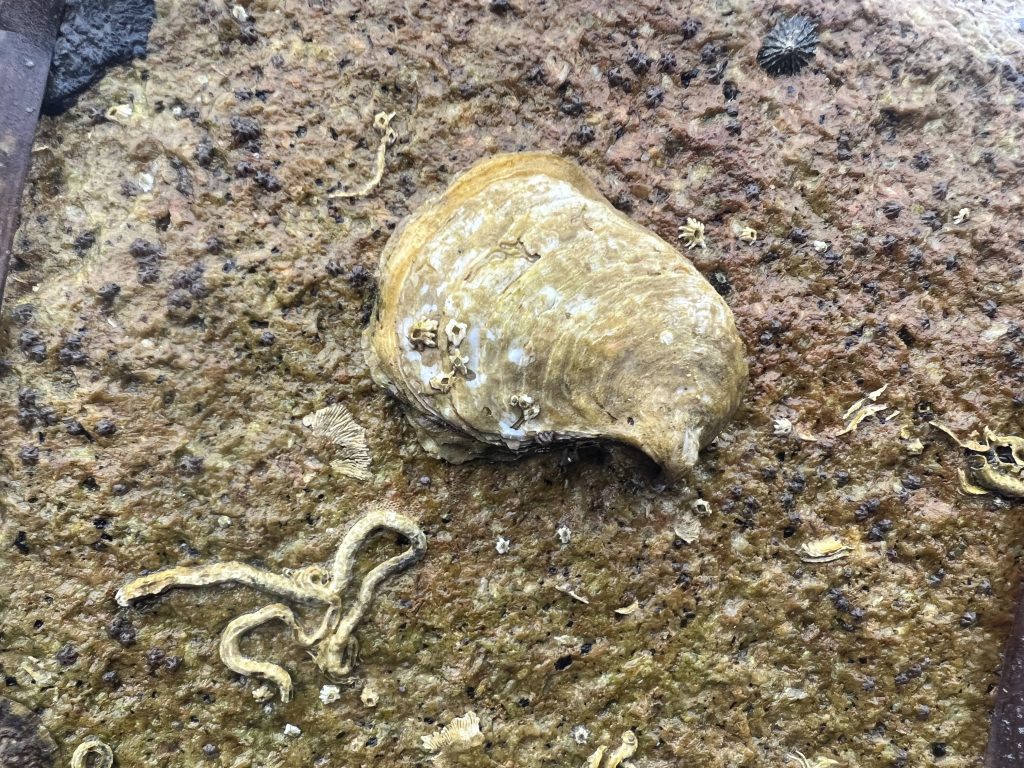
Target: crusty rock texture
x=182, y=294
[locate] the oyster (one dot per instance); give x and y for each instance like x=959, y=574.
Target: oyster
x=566, y=321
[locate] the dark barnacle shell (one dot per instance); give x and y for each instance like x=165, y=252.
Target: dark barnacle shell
x=788, y=47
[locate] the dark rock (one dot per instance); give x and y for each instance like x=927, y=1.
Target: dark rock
x=94, y=35
x=24, y=743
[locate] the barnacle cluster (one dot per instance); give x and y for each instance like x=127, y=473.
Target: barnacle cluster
x=331, y=643
x=527, y=407
x=334, y=424
x=995, y=466
x=423, y=333
x=788, y=47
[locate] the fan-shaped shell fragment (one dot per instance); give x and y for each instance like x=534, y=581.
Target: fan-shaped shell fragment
x=561, y=319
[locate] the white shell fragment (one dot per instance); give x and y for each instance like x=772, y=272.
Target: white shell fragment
x=501, y=546
x=629, y=609
x=567, y=590
x=623, y=752
x=292, y=730
x=335, y=424
x=460, y=734
x=823, y=550
x=560, y=320
x=687, y=528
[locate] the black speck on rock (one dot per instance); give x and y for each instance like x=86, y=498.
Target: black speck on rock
x=190, y=465
x=67, y=655
x=94, y=35
x=105, y=428
x=21, y=543
x=244, y=129
x=121, y=630
x=29, y=455
x=584, y=134
x=689, y=28
x=108, y=292
x=638, y=61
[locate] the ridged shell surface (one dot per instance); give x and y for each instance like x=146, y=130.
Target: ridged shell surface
x=520, y=310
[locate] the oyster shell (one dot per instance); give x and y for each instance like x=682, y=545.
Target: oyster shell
x=566, y=321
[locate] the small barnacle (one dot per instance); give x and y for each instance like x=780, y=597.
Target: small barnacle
x=692, y=233
x=328, y=694
x=460, y=734
x=782, y=427
x=748, y=235
x=442, y=382
x=824, y=550
x=456, y=332
x=528, y=409
x=423, y=333
x=460, y=364
x=336, y=425
x=702, y=507
x=788, y=47
x=501, y=546
x=369, y=696
x=103, y=755
x=580, y=734
x=563, y=533
x=819, y=245
x=962, y=215
x=544, y=438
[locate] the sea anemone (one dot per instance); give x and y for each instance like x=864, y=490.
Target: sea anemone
x=788, y=47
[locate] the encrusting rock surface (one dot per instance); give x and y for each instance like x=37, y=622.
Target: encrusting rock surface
x=184, y=291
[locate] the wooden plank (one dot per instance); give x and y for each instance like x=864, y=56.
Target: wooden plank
x=1006, y=734
x=28, y=29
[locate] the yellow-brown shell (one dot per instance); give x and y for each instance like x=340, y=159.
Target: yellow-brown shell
x=558, y=318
